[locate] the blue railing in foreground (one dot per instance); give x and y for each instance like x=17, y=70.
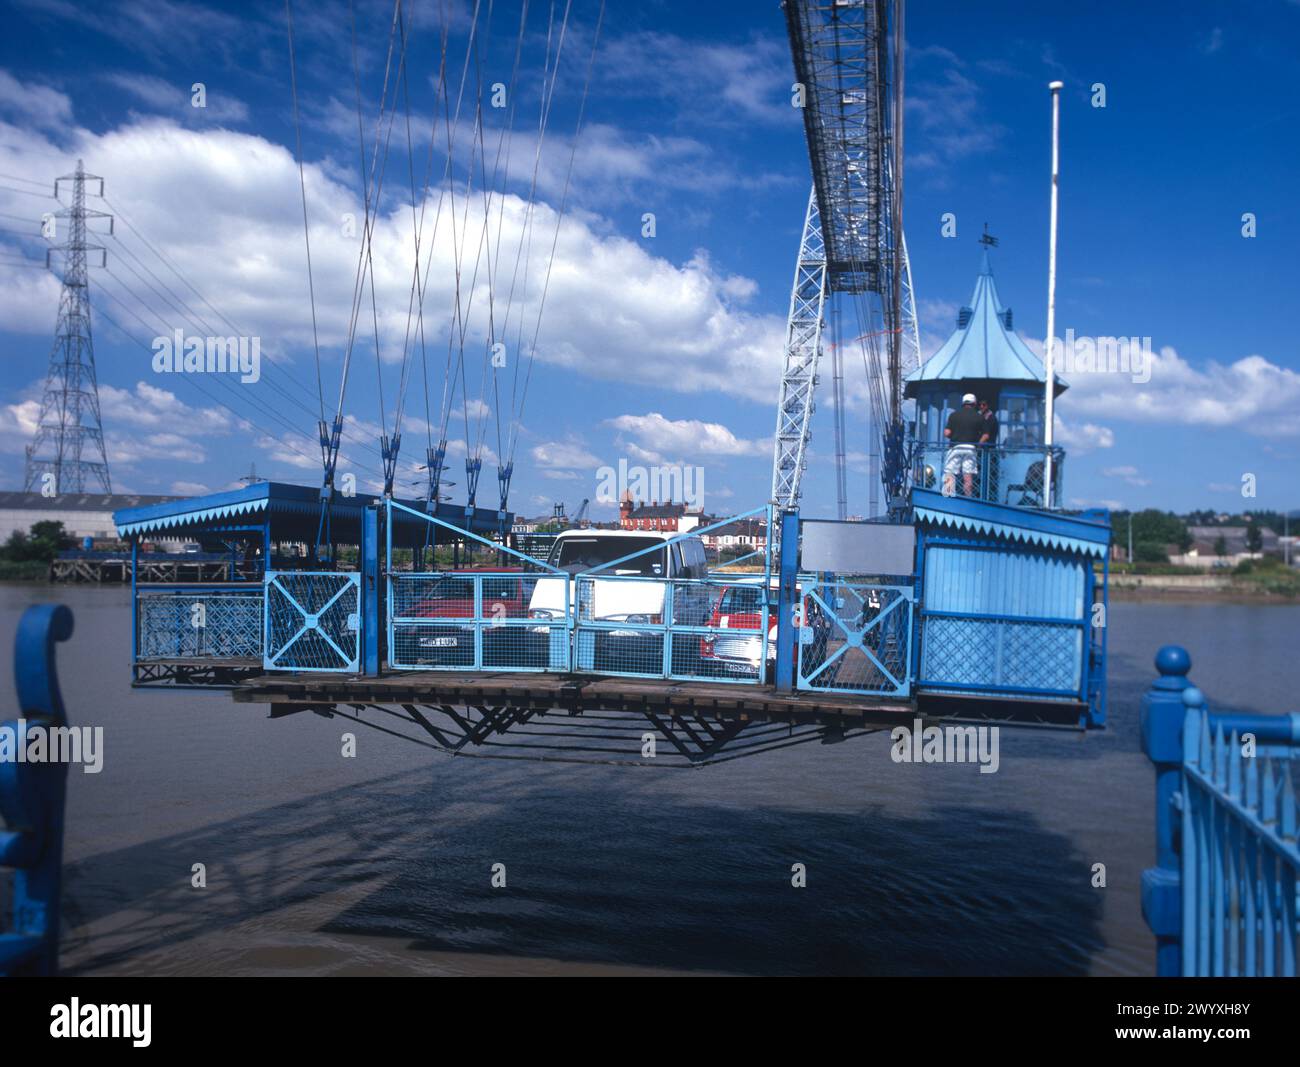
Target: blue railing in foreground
x=1223, y=899
x=32, y=798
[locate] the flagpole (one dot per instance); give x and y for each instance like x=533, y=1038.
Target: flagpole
x=1050, y=385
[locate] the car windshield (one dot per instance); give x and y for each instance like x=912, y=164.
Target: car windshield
x=575, y=554
x=743, y=601
x=500, y=588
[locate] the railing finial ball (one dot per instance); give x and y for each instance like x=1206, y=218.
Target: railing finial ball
x=1193, y=697
x=1173, y=660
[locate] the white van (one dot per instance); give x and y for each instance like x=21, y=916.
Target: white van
x=613, y=600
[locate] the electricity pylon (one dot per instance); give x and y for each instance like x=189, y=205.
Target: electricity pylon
x=69, y=425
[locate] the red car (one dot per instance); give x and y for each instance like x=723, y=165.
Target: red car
x=740, y=608
x=452, y=597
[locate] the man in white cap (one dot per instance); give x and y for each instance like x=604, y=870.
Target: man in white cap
x=966, y=429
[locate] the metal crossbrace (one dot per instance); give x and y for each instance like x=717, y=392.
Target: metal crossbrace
x=313, y=627
x=893, y=617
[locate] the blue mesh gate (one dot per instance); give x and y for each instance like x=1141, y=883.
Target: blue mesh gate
x=313, y=621
x=691, y=629
x=855, y=638
x=513, y=617
x=466, y=620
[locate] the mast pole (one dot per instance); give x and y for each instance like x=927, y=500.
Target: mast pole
x=1050, y=384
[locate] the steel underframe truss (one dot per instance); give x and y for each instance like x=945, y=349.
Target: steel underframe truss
x=601, y=737
x=803, y=345
x=164, y=675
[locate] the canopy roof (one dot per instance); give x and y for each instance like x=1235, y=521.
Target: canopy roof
x=293, y=513
x=983, y=347
x=1086, y=532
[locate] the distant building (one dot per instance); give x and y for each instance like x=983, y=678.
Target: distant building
x=660, y=518
x=1233, y=540
x=750, y=534
x=82, y=514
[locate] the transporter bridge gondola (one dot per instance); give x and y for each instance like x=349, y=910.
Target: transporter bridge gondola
x=982, y=600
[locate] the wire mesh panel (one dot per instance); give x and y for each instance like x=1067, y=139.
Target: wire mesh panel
x=682, y=628
x=619, y=627
x=199, y=623
x=313, y=621
x=722, y=631
x=1000, y=474
x=457, y=620
x=855, y=638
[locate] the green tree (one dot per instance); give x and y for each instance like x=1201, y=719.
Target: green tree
x=1220, y=546
x=1254, y=538
x=1150, y=552
x=1160, y=527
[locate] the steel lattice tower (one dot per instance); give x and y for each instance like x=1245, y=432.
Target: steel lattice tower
x=69, y=425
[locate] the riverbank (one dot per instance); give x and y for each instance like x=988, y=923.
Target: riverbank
x=30, y=570
x=1283, y=589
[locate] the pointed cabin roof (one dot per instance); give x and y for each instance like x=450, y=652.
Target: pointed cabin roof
x=984, y=347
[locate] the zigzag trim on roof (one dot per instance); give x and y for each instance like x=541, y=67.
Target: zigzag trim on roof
x=190, y=518
x=1011, y=533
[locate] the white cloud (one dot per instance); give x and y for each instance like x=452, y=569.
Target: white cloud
x=225, y=205
x=42, y=107
x=176, y=99
x=564, y=455
x=1128, y=474
x=1081, y=437
x=656, y=435
x=1251, y=394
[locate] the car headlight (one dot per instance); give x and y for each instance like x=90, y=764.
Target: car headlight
x=636, y=618
x=541, y=613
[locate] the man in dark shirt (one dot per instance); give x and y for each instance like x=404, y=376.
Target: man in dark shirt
x=990, y=449
x=991, y=427
x=966, y=429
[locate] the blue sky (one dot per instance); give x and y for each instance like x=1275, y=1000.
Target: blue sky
x=663, y=349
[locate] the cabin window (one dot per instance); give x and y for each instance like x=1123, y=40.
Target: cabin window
x=1022, y=422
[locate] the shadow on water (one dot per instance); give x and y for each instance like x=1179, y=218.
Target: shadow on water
x=610, y=875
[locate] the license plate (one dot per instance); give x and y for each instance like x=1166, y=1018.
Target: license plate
x=438, y=642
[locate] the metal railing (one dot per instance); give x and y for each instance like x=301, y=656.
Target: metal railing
x=1001, y=474
x=688, y=629
x=199, y=622
x=459, y=620
x=1223, y=899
